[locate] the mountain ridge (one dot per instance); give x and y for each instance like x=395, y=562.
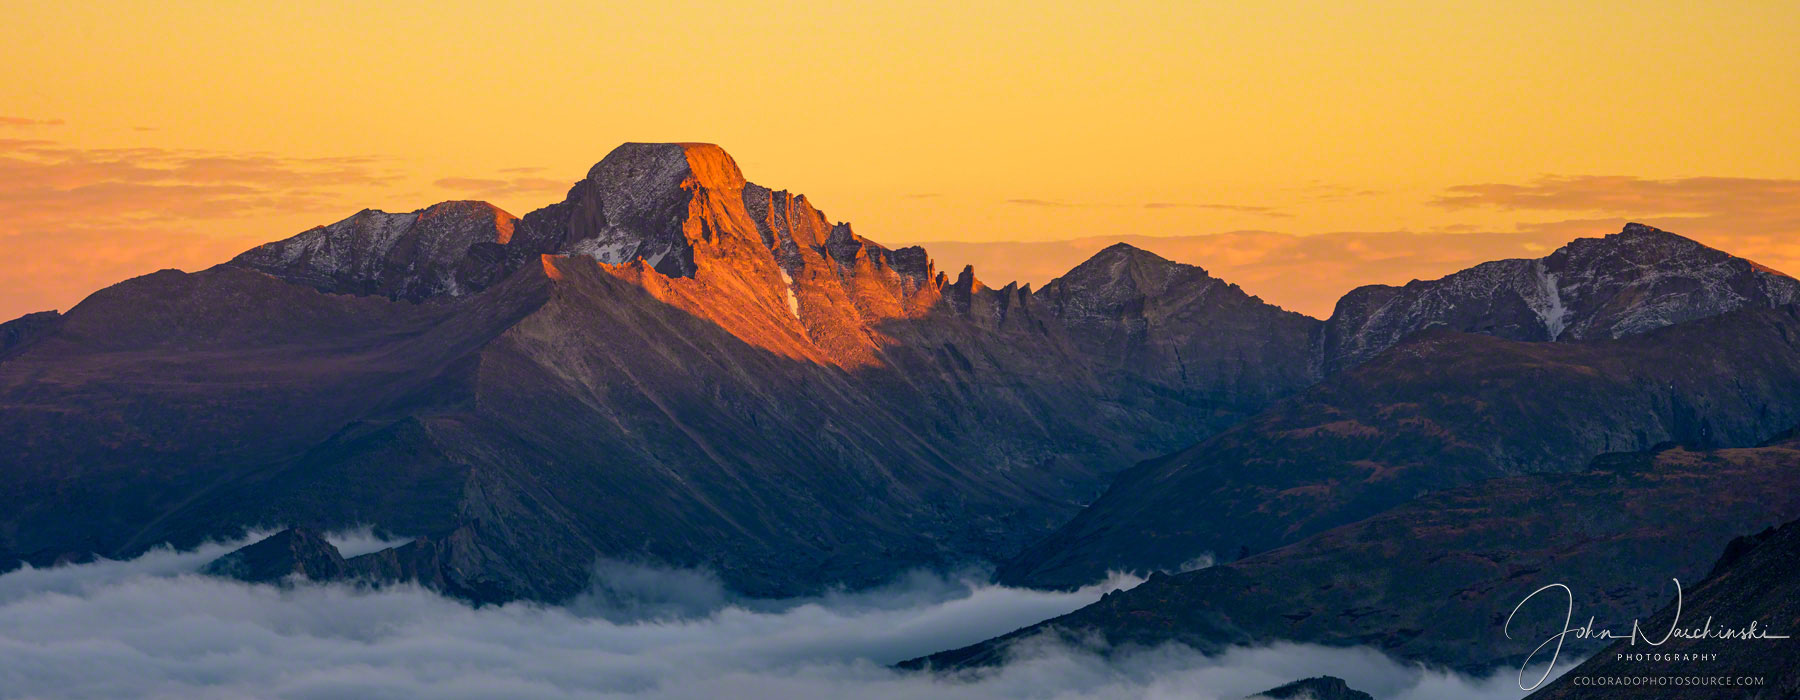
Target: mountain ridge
x=1624, y=283
x=1441, y=409
x=784, y=402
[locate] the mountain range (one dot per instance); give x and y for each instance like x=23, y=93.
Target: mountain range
x=676, y=366
x=671, y=365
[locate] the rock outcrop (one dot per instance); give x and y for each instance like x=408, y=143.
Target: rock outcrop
x=1159, y=323
x=289, y=553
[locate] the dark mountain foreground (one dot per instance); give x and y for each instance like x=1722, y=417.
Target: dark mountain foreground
x=1756, y=580
x=1432, y=580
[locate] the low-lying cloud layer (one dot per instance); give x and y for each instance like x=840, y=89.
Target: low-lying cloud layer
x=151, y=627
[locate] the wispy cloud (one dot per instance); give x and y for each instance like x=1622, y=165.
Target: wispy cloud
x=74, y=219
x=1758, y=218
x=25, y=121
x=500, y=187
x=1240, y=208
x=1624, y=194
x=1325, y=191
x=43, y=183
x=1029, y=202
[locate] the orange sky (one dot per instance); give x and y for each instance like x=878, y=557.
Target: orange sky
x=173, y=134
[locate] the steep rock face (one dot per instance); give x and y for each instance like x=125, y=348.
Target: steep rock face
x=448, y=249
x=1161, y=323
x=1434, y=579
x=1626, y=283
x=672, y=365
x=1440, y=410
x=291, y=552
x=1753, y=581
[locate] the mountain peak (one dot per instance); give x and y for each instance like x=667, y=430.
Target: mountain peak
x=1127, y=251
x=1636, y=229
x=1128, y=266
x=637, y=202
x=638, y=171
x=412, y=255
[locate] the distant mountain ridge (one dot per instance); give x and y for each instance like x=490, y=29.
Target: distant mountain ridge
x=1439, y=410
x=448, y=249
x=1637, y=280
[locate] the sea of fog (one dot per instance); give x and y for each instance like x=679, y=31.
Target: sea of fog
x=152, y=627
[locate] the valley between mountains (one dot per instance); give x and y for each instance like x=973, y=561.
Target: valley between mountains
x=676, y=366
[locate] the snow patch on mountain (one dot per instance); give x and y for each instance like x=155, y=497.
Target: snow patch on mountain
x=793, y=300
x=1549, y=305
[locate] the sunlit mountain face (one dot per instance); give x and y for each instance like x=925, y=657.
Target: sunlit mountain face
x=1147, y=350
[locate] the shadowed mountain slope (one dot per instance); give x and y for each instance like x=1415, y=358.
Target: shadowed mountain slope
x=1754, y=581
x=1440, y=410
x=1433, y=579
